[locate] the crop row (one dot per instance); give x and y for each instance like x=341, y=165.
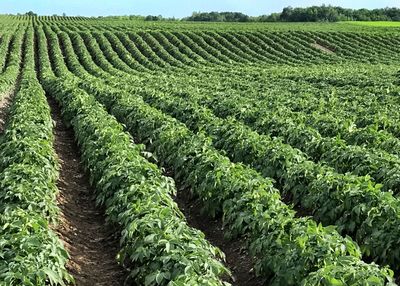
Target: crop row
x=31, y=253
x=11, y=56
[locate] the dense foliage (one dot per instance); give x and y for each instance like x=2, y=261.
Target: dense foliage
x=218, y=17
x=31, y=253
x=310, y=14
x=334, y=14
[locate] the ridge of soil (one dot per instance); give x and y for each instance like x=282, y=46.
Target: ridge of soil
x=238, y=260
x=91, y=243
x=322, y=48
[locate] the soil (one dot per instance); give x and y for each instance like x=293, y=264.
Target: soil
x=322, y=48
x=91, y=243
x=5, y=103
x=238, y=260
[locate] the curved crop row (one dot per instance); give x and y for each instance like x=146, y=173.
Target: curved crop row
x=31, y=253
x=8, y=78
x=4, y=45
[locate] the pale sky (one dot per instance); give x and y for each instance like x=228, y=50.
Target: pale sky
x=172, y=8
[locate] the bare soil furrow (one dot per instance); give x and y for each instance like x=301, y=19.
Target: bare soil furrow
x=91, y=243
x=5, y=103
x=238, y=259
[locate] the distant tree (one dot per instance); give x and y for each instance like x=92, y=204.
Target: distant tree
x=157, y=18
x=30, y=13
x=329, y=14
x=287, y=13
x=218, y=17
x=333, y=14
x=152, y=18
x=136, y=17
x=274, y=17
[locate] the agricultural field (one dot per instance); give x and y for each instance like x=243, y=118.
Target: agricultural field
x=376, y=23
x=176, y=153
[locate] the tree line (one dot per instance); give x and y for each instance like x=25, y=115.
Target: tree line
x=309, y=14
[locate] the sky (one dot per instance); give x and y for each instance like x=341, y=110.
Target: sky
x=172, y=8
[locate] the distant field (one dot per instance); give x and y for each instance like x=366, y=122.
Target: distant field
x=374, y=24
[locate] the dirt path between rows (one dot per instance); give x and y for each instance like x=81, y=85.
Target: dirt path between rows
x=238, y=260
x=322, y=48
x=5, y=103
x=91, y=243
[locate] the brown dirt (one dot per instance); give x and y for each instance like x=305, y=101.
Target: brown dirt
x=238, y=260
x=91, y=243
x=5, y=103
x=322, y=48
